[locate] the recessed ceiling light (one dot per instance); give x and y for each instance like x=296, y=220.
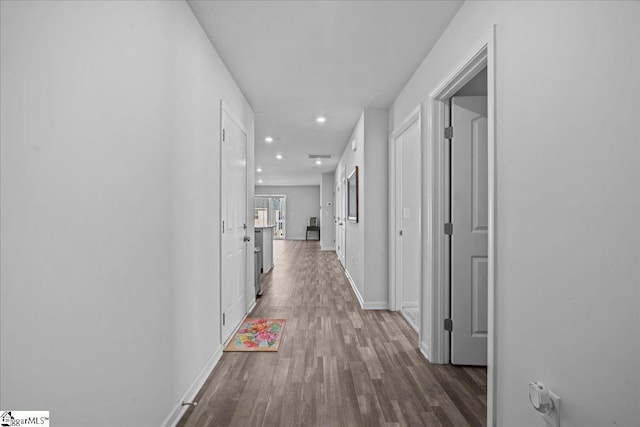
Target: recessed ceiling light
x=321, y=119
x=318, y=162
x=279, y=156
x=259, y=170
x=268, y=139
x=259, y=181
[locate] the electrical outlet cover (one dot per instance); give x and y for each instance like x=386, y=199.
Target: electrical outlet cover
x=553, y=417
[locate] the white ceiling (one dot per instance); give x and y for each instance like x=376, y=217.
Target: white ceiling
x=295, y=60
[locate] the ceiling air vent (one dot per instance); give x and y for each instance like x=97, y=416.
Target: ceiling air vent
x=319, y=156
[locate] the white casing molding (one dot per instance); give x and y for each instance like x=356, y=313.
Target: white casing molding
x=435, y=249
x=395, y=249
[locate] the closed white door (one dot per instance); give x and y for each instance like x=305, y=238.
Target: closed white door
x=234, y=225
x=336, y=202
x=408, y=216
x=469, y=244
x=341, y=215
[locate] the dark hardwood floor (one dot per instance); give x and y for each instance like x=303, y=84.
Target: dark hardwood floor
x=338, y=365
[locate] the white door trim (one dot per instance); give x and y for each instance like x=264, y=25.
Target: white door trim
x=342, y=177
x=395, y=250
x=225, y=108
x=482, y=54
x=249, y=277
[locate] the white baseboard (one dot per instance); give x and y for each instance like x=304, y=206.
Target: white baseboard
x=179, y=410
x=424, y=349
x=410, y=321
x=376, y=305
x=355, y=288
x=372, y=305
x=251, y=306
x=328, y=248
x=412, y=304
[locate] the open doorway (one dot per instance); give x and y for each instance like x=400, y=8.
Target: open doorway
x=270, y=211
x=405, y=215
x=438, y=220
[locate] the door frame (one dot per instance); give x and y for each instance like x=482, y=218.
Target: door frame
x=249, y=272
x=482, y=54
x=342, y=180
x=337, y=193
x=395, y=246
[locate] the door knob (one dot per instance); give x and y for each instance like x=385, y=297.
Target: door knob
x=247, y=238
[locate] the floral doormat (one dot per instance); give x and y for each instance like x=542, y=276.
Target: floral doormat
x=257, y=335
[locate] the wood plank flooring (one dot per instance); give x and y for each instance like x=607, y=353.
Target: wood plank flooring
x=338, y=365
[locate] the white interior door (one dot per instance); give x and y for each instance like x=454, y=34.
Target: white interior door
x=234, y=224
x=469, y=215
x=408, y=218
x=337, y=219
x=341, y=215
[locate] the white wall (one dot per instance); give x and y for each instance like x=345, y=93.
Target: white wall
x=366, y=246
x=376, y=208
x=200, y=80
x=354, y=232
x=567, y=283
x=327, y=211
x=110, y=205
x=303, y=202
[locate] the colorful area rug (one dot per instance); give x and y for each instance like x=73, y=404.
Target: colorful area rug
x=257, y=335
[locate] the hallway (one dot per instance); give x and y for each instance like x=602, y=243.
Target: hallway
x=338, y=365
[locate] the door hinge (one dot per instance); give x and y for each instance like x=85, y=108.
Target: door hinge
x=401, y=232
x=223, y=319
x=244, y=226
x=448, y=132
x=223, y=226
x=223, y=134
x=448, y=228
x=448, y=325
